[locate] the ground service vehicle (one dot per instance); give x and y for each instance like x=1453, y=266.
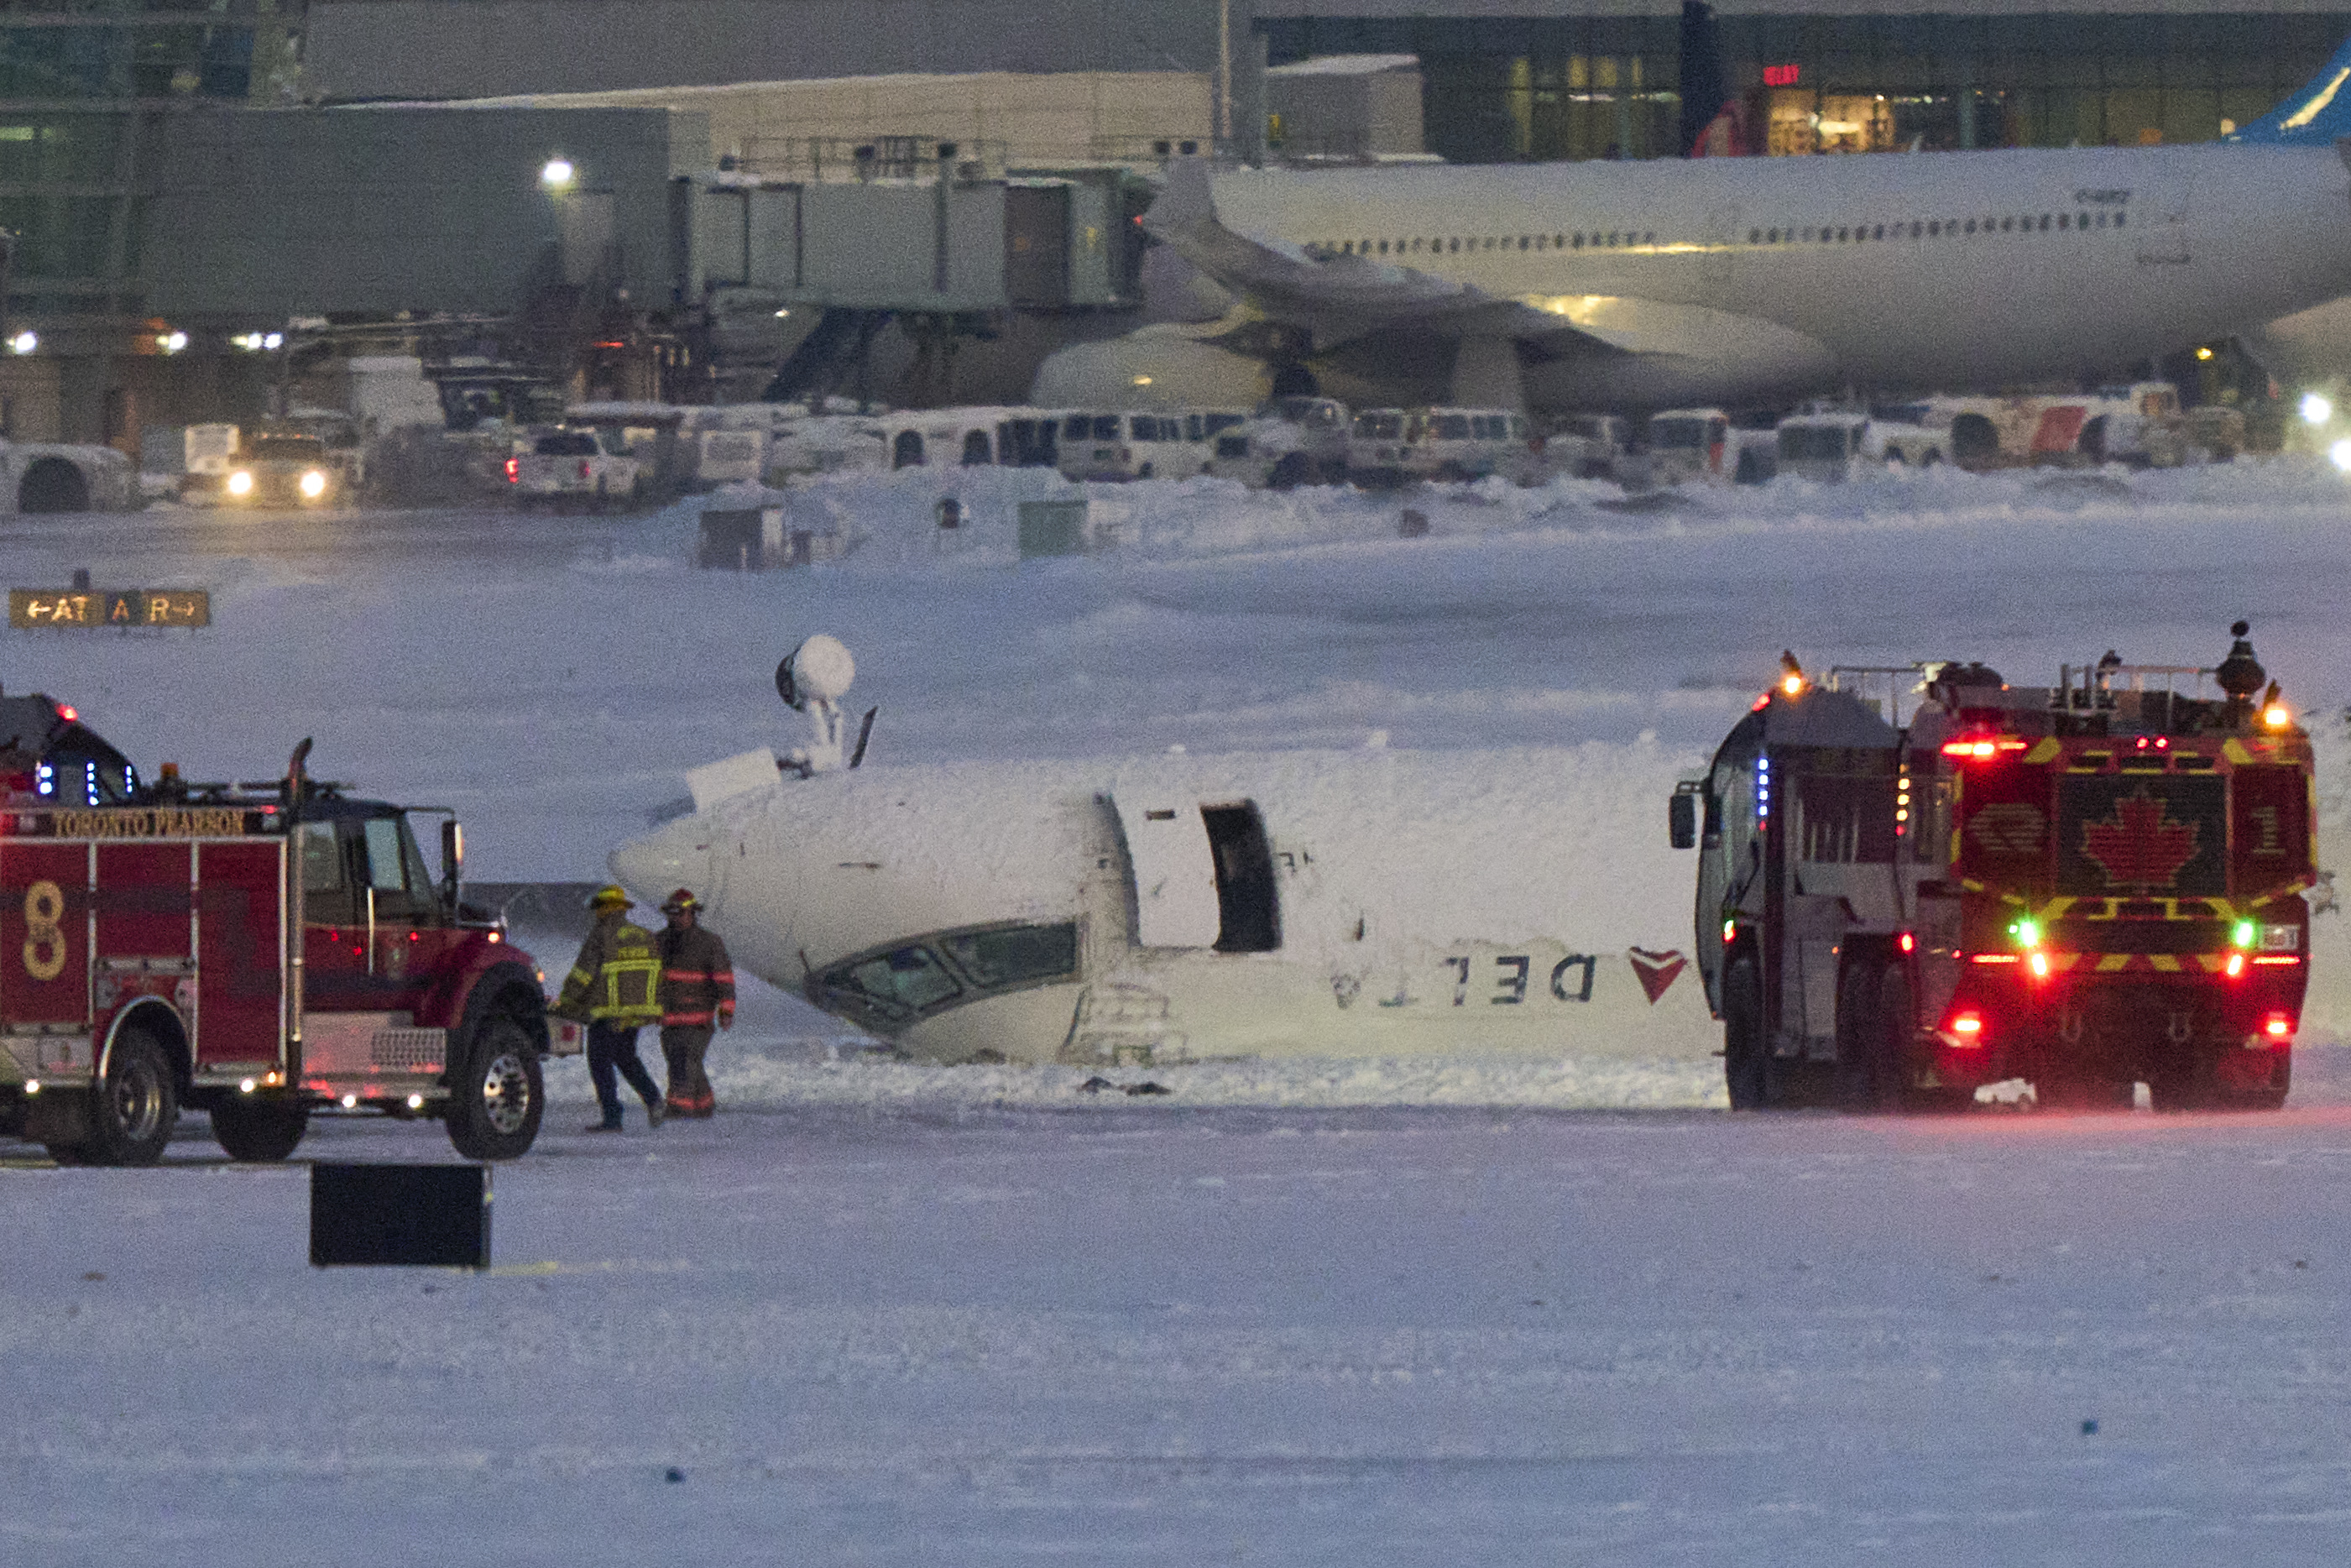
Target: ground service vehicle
x=1833, y=447
x=2088, y=886
x=283, y=469
x=573, y=466
x=1687, y=443
x=258, y=952
x=1388, y=447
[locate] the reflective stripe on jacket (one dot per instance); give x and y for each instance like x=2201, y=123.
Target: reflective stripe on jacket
x=698, y=979
x=616, y=978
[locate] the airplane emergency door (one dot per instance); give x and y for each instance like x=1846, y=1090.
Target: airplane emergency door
x=1203, y=872
x=2162, y=223
x=1721, y=248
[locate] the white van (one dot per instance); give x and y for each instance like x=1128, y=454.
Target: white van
x=1132, y=445
x=1588, y=445
x=1391, y=446
x=1687, y=443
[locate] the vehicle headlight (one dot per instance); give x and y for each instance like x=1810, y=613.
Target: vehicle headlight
x=240, y=482
x=2316, y=408
x=2340, y=454
x=314, y=485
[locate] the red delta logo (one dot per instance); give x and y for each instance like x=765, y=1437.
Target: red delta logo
x=1656, y=971
x=2141, y=845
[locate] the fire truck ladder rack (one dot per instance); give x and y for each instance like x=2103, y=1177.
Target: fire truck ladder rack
x=1898, y=681
x=2101, y=681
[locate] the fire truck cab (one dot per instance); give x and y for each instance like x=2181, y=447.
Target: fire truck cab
x=2089, y=886
x=256, y=951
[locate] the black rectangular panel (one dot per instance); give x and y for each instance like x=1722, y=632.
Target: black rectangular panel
x=429, y=1216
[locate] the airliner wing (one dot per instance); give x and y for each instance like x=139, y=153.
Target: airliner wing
x=1348, y=296
x=1341, y=296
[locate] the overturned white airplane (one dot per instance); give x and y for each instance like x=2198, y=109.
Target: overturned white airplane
x=1176, y=908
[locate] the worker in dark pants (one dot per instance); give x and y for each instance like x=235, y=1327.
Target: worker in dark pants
x=697, y=991
x=614, y=988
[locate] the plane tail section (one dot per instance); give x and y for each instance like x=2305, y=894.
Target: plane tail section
x=2316, y=116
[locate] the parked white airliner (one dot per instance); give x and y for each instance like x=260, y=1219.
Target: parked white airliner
x=1725, y=280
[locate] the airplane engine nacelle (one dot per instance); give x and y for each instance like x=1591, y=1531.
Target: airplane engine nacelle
x=1158, y=367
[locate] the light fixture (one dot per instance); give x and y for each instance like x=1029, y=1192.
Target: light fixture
x=2204, y=353
x=2340, y=454
x=170, y=342
x=558, y=173
x=2317, y=408
x=24, y=343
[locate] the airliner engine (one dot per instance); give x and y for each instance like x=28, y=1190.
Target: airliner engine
x=1166, y=366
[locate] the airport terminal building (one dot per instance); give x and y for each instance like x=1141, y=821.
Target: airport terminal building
x=1507, y=81
x=144, y=205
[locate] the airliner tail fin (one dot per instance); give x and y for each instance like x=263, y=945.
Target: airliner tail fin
x=2318, y=114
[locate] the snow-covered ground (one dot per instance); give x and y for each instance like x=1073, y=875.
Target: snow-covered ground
x=1483, y=1310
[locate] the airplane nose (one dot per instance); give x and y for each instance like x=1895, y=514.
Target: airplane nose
x=676, y=856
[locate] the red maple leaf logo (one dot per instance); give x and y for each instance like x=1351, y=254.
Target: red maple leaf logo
x=2139, y=845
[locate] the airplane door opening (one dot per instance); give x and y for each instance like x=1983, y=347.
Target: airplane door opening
x=1249, y=913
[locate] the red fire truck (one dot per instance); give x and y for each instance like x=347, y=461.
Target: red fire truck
x=2089, y=886
x=256, y=951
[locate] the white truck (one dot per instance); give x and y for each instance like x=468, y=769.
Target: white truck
x=1588, y=445
x=572, y=467
x=1289, y=442
x=1832, y=446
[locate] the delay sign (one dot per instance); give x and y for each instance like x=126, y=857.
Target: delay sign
x=96, y=607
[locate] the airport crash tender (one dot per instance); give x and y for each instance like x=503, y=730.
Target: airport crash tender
x=2089, y=886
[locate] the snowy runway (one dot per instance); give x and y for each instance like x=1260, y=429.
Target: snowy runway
x=1464, y=1312
x=1172, y=1336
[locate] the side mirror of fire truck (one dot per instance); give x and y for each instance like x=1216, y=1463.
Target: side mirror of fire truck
x=452, y=858
x=1681, y=814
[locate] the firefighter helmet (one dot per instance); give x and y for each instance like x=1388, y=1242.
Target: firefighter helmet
x=681, y=900
x=610, y=896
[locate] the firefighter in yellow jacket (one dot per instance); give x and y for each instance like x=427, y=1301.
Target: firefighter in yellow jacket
x=614, y=986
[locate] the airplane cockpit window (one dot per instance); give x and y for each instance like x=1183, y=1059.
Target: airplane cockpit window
x=902, y=982
x=1017, y=955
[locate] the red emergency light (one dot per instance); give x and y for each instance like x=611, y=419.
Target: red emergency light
x=1969, y=1027
x=1980, y=746
x=66, y=712
x=514, y=470
x=1782, y=75
x=2278, y=1026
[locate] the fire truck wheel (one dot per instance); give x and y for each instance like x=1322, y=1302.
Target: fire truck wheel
x=1858, y=1029
x=500, y=1097
x=1745, y=1071
x=133, y=1111
x=260, y=1131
